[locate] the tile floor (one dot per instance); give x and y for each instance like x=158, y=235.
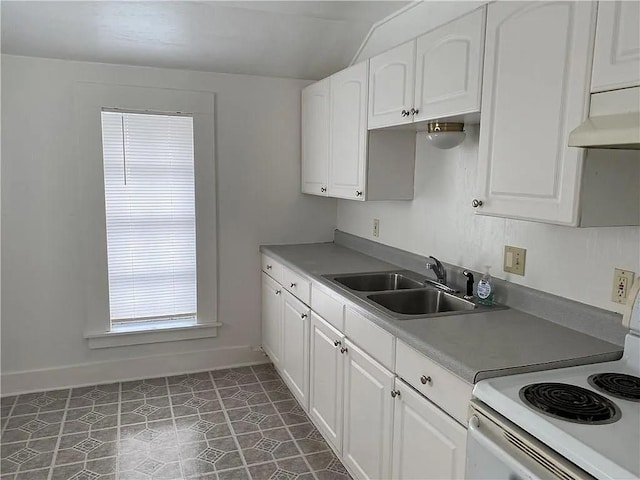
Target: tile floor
x=240, y=423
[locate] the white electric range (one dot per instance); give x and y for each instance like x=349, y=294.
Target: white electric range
x=570, y=423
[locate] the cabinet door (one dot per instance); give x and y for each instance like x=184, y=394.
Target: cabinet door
x=391, y=77
x=616, y=59
x=368, y=415
x=449, y=68
x=315, y=138
x=348, y=133
x=326, y=372
x=294, y=362
x=271, y=318
x=526, y=170
x=427, y=443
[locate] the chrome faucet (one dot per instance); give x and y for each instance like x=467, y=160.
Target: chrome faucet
x=438, y=269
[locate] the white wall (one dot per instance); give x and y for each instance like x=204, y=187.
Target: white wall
x=570, y=262
x=259, y=201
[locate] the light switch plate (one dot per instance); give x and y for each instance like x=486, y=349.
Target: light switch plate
x=514, y=259
x=376, y=227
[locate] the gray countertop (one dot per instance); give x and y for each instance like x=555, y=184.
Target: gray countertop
x=475, y=346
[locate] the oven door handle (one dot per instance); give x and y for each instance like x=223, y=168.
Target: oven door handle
x=518, y=468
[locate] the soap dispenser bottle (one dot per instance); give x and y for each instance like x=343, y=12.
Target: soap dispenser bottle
x=485, y=291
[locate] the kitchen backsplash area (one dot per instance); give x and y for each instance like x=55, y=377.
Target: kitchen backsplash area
x=576, y=263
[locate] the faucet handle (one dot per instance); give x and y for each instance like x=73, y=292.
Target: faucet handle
x=439, y=270
x=469, y=276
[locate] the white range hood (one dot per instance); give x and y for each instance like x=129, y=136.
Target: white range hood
x=614, y=121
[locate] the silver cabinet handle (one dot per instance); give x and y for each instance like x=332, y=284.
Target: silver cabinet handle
x=425, y=380
x=343, y=350
x=358, y=193
x=405, y=113
x=304, y=315
x=278, y=292
x=395, y=393
x=414, y=111
x=269, y=267
x=293, y=285
x=476, y=203
x=323, y=189
x=336, y=343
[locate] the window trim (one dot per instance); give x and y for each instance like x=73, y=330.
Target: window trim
x=89, y=101
x=139, y=337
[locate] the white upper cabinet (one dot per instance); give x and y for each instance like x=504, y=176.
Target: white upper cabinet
x=449, y=68
x=359, y=165
x=315, y=138
x=391, y=77
x=526, y=170
x=616, y=59
x=439, y=75
x=348, y=133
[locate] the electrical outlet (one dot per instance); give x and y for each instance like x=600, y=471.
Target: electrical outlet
x=622, y=281
x=376, y=227
x=514, y=259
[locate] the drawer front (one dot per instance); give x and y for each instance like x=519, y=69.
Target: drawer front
x=329, y=308
x=272, y=268
x=377, y=342
x=442, y=387
x=297, y=285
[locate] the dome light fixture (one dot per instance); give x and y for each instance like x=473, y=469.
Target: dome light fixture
x=445, y=135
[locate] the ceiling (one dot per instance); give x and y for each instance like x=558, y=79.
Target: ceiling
x=298, y=39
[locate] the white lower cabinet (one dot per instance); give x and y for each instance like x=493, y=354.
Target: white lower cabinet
x=368, y=415
x=271, y=318
x=294, y=360
x=378, y=425
x=427, y=443
x=326, y=386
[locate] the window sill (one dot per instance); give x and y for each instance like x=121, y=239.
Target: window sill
x=128, y=336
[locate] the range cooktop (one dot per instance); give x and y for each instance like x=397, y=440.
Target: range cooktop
x=570, y=402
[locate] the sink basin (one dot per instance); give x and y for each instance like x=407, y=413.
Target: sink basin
x=421, y=302
x=377, y=282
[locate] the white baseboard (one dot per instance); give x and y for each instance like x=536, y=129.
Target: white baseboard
x=128, y=369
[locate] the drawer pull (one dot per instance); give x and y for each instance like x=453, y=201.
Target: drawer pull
x=336, y=343
x=343, y=350
x=278, y=292
x=425, y=380
x=395, y=393
x=293, y=285
x=304, y=315
x=269, y=267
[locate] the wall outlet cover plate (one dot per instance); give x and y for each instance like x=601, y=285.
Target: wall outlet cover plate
x=622, y=282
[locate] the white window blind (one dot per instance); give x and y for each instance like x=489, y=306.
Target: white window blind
x=151, y=221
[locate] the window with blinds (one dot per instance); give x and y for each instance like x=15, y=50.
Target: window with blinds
x=151, y=219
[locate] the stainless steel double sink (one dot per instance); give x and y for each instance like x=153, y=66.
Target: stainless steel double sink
x=403, y=295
